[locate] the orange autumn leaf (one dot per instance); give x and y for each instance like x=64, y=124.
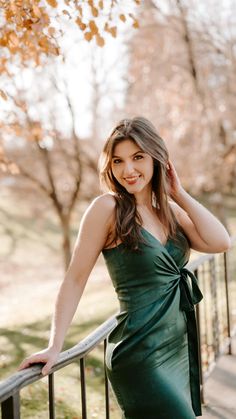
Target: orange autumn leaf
x=52, y=3
x=13, y=39
x=81, y=24
x=80, y=10
x=122, y=17
x=88, y=36
x=94, y=11
x=135, y=24
x=113, y=31
x=100, y=41
x=93, y=27
x=43, y=42
x=3, y=94
x=65, y=12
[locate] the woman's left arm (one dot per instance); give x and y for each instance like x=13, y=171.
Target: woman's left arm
x=205, y=232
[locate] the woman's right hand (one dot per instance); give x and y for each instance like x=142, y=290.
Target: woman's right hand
x=48, y=356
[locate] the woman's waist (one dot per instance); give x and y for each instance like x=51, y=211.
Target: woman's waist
x=132, y=300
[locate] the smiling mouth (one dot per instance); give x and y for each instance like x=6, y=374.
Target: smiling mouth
x=132, y=180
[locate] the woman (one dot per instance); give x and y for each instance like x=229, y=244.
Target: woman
x=151, y=357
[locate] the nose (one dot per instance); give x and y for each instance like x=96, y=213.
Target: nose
x=128, y=168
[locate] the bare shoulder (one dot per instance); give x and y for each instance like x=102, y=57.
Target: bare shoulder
x=101, y=209
x=104, y=205
x=106, y=202
x=93, y=232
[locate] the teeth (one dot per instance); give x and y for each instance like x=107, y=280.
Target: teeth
x=132, y=178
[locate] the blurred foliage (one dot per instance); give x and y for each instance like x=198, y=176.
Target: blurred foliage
x=31, y=29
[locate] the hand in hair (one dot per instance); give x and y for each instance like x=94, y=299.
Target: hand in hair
x=175, y=186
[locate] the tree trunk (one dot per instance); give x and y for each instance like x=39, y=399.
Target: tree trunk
x=66, y=240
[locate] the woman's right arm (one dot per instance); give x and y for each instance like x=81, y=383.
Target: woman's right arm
x=94, y=229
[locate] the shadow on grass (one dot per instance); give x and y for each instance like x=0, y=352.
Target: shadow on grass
x=34, y=403
x=18, y=343
x=19, y=227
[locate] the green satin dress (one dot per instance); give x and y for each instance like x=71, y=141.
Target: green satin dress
x=152, y=353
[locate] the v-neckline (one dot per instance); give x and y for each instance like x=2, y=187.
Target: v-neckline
x=155, y=238
x=151, y=235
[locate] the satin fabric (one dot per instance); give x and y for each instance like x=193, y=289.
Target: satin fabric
x=152, y=353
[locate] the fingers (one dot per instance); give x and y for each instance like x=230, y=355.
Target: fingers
x=47, y=367
x=169, y=165
x=27, y=362
x=35, y=360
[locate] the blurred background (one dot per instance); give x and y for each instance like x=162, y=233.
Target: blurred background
x=69, y=72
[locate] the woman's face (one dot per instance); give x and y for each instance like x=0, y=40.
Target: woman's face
x=132, y=167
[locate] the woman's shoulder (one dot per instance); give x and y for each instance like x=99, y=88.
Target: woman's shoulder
x=105, y=201
x=103, y=205
x=101, y=211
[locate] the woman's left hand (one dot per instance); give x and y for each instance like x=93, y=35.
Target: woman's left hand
x=175, y=186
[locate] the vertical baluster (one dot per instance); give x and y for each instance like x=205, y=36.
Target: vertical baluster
x=199, y=345
x=221, y=293
x=226, y=278
x=11, y=407
x=209, y=317
x=106, y=385
x=51, y=396
x=215, y=322
x=83, y=388
x=205, y=312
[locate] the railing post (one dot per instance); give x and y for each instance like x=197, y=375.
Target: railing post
x=83, y=389
x=199, y=346
x=205, y=314
x=215, y=320
x=226, y=278
x=11, y=407
x=106, y=385
x=51, y=396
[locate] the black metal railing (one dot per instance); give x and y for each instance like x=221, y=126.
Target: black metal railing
x=216, y=318
x=216, y=325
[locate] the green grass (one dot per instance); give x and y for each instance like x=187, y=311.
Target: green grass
x=19, y=342
x=32, y=269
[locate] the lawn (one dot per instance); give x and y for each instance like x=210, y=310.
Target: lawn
x=31, y=272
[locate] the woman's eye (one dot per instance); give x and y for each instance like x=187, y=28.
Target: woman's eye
x=138, y=157
x=116, y=161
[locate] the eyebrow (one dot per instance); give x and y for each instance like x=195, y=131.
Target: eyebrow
x=137, y=152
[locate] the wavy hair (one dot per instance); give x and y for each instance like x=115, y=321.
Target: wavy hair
x=143, y=133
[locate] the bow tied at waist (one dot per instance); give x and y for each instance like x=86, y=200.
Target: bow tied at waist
x=188, y=296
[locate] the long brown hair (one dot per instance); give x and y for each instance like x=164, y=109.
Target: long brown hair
x=128, y=221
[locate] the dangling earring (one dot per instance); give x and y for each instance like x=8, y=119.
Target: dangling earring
x=155, y=204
